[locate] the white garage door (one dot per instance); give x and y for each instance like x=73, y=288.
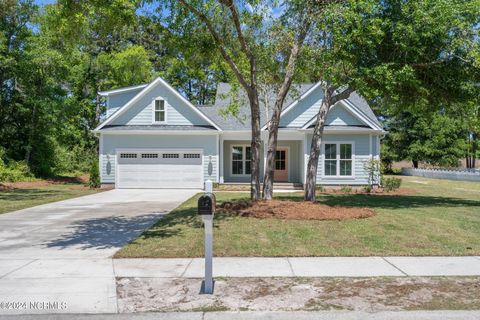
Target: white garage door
x=160, y=168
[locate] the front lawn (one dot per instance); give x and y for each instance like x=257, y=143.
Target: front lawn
x=441, y=218
x=21, y=198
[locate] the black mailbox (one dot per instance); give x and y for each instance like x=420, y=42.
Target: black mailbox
x=206, y=204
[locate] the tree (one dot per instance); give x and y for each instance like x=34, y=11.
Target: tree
x=436, y=139
x=245, y=34
x=403, y=55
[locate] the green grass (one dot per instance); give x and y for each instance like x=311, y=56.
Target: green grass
x=441, y=218
x=16, y=199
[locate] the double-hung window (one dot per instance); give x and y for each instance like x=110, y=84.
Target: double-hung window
x=338, y=159
x=159, y=112
x=241, y=160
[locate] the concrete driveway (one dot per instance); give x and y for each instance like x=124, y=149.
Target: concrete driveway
x=60, y=253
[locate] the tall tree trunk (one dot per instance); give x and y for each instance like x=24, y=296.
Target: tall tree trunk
x=255, y=145
x=311, y=179
x=31, y=135
x=330, y=98
x=97, y=108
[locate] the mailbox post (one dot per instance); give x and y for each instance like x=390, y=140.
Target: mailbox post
x=206, y=208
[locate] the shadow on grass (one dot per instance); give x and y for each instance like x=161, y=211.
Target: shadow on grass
x=170, y=224
x=388, y=202
x=107, y=232
x=28, y=194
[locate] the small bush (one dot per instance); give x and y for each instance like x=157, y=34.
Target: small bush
x=94, y=181
x=391, y=184
x=367, y=189
x=320, y=188
x=346, y=189
x=13, y=171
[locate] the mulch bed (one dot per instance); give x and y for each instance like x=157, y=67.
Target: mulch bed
x=294, y=210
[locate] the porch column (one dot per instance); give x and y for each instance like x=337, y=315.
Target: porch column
x=305, y=157
x=220, y=159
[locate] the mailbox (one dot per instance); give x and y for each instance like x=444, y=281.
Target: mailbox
x=206, y=204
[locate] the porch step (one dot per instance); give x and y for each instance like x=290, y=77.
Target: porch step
x=287, y=186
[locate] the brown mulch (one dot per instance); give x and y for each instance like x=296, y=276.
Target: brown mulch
x=294, y=210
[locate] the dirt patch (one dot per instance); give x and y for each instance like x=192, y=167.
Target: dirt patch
x=295, y=294
x=374, y=192
x=295, y=210
x=81, y=181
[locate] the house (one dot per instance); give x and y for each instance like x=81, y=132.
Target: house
x=153, y=137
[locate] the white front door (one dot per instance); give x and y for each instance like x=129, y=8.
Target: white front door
x=159, y=168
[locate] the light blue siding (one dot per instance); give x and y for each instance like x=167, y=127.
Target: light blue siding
x=111, y=143
x=116, y=101
x=340, y=116
x=303, y=111
x=178, y=112
x=361, y=154
x=294, y=160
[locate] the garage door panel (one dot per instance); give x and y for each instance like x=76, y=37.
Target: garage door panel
x=160, y=172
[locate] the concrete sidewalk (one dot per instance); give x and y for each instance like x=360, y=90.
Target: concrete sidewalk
x=309, y=315
x=301, y=267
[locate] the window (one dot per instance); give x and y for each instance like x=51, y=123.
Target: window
x=170, y=156
x=241, y=160
x=159, y=110
x=128, y=155
x=338, y=159
x=280, y=161
x=191, y=155
x=149, y=155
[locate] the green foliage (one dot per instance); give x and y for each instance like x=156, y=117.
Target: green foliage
x=391, y=184
x=372, y=167
x=13, y=171
x=94, y=181
x=128, y=67
x=346, y=189
x=367, y=189
x=437, y=139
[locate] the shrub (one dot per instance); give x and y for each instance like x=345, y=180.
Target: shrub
x=320, y=188
x=346, y=189
x=391, y=184
x=367, y=189
x=13, y=171
x=94, y=181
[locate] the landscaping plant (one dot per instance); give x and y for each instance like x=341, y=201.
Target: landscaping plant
x=94, y=181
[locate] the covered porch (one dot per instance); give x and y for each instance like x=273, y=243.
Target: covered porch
x=235, y=157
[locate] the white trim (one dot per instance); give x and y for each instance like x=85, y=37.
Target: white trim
x=160, y=132
x=244, y=160
x=217, y=174
x=329, y=129
x=294, y=103
x=165, y=107
x=121, y=90
x=337, y=158
x=306, y=154
x=222, y=160
x=100, y=157
x=360, y=114
x=350, y=108
x=142, y=93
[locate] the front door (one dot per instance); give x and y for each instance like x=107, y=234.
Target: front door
x=281, y=165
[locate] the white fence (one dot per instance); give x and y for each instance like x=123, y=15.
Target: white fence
x=466, y=175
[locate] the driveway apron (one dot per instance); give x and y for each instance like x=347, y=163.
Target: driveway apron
x=57, y=257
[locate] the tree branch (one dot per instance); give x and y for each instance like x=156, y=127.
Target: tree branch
x=219, y=41
x=236, y=21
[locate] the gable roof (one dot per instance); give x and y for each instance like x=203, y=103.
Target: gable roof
x=121, y=90
x=223, y=99
x=355, y=103
x=145, y=90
